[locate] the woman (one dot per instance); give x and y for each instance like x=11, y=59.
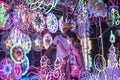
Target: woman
x=76, y=61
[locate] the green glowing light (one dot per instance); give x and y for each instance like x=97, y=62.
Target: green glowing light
x=3, y=18
x=12, y=55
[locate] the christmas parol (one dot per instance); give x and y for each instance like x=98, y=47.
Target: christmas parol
x=37, y=42
x=18, y=37
x=6, y=43
x=6, y=68
x=52, y=23
x=38, y=22
x=17, y=53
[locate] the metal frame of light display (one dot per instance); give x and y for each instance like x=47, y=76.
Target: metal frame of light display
x=38, y=22
x=37, y=42
x=25, y=66
x=44, y=6
x=21, y=54
x=6, y=68
x=52, y=23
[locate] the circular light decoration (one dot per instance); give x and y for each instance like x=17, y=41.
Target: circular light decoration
x=6, y=43
x=47, y=40
x=18, y=37
x=38, y=22
x=17, y=54
x=17, y=71
x=37, y=42
x=6, y=68
x=113, y=16
x=52, y=23
x=99, y=62
x=44, y=6
x=25, y=66
x=4, y=23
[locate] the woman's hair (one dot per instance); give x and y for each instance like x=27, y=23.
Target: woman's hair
x=72, y=35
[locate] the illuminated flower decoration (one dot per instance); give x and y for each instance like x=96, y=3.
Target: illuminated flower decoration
x=17, y=54
x=6, y=43
x=44, y=6
x=52, y=23
x=37, y=42
x=17, y=71
x=6, y=68
x=113, y=16
x=38, y=22
x=47, y=40
x=18, y=37
x=25, y=66
x=4, y=23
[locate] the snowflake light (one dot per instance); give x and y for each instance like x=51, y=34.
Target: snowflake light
x=6, y=68
x=38, y=22
x=52, y=23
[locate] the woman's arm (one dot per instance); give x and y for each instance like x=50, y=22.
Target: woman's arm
x=74, y=50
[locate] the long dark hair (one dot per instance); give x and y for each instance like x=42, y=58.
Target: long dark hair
x=72, y=35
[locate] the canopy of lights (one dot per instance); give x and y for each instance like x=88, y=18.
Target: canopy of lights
x=29, y=27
